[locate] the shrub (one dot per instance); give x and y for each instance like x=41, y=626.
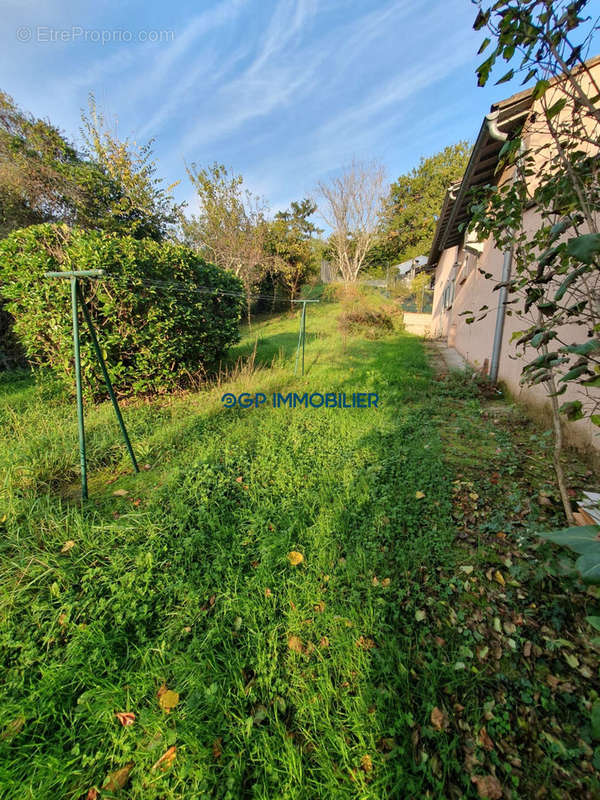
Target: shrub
x=372, y=323
x=156, y=331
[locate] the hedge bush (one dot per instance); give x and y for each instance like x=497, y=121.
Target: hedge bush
x=155, y=336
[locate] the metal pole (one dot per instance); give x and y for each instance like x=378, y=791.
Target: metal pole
x=501, y=314
x=303, y=333
x=299, y=341
x=107, y=380
x=74, y=293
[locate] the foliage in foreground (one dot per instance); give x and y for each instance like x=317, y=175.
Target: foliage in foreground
x=327, y=604
x=162, y=314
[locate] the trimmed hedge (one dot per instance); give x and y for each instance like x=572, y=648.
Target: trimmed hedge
x=155, y=336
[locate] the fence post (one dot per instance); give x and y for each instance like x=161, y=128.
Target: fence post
x=80, y=424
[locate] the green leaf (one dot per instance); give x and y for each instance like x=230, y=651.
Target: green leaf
x=579, y=539
x=556, y=108
x=576, y=372
x=588, y=565
x=484, y=44
x=584, y=248
x=481, y=19
x=540, y=88
x=595, y=419
x=572, y=410
x=582, y=349
x=505, y=78
x=594, y=622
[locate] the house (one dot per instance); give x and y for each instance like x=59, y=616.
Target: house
x=407, y=270
x=459, y=263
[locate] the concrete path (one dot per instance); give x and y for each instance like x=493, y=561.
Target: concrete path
x=445, y=359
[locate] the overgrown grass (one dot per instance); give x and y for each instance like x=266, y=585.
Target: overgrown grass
x=313, y=680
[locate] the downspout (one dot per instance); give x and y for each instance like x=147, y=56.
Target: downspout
x=499, y=136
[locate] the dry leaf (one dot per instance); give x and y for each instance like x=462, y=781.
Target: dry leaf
x=484, y=739
x=499, y=578
x=365, y=643
x=67, y=546
x=120, y=493
x=92, y=794
x=166, y=760
x=385, y=582
x=295, y=558
x=13, y=728
x=295, y=644
x=439, y=719
x=320, y=607
x=527, y=649
x=217, y=748
x=419, y=495
x=420, y=615
x=268, y=592
x=239, y=479
x=117, y=780
x=125, y=717
x=488, y=786
x=366, y=763
x=324, y=643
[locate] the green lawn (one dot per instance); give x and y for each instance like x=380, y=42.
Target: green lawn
x=423, y=611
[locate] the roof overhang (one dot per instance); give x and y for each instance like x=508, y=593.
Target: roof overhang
x=505, y=119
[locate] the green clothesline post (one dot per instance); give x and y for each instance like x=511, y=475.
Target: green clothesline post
x=77, y=297
x=302, y=333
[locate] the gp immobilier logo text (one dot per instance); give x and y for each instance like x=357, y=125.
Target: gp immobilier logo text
x=306, y=400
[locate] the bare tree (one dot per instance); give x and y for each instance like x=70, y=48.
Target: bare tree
x=350, y=205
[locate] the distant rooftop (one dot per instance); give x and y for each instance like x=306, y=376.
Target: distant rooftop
x=406, y=266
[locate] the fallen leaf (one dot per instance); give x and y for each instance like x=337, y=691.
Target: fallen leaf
x=366, y=763
x=92, y=794
x=239, y=479
x=324, y=643
x=488, y=786
x=295, y=558
x=509, y=627
x=365, y=643
x=168, y=700
x=295, y=644
x=499, y=577
x=268, y=592
x=13, y=728
x=419, y=495
x=375, y=580
x=117, y=780
x=125, y=717
x=166, y=760
x=319, y=607
x=147, y=466
x=467, y=569
x=484, y=739
x=439, y=719
x=527, y=649
x=120, y=493
x=385, y=582
x=217, y=748
x=67, y=546
x=420, y=615
x=62, y=620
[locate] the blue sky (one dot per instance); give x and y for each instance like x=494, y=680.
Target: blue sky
x=285, y=92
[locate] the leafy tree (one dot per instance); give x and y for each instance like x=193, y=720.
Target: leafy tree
x=126, y=195
x=289, y=241
x=231, y=228
x=410, y=214
x=38, y=169
x=556, y=277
